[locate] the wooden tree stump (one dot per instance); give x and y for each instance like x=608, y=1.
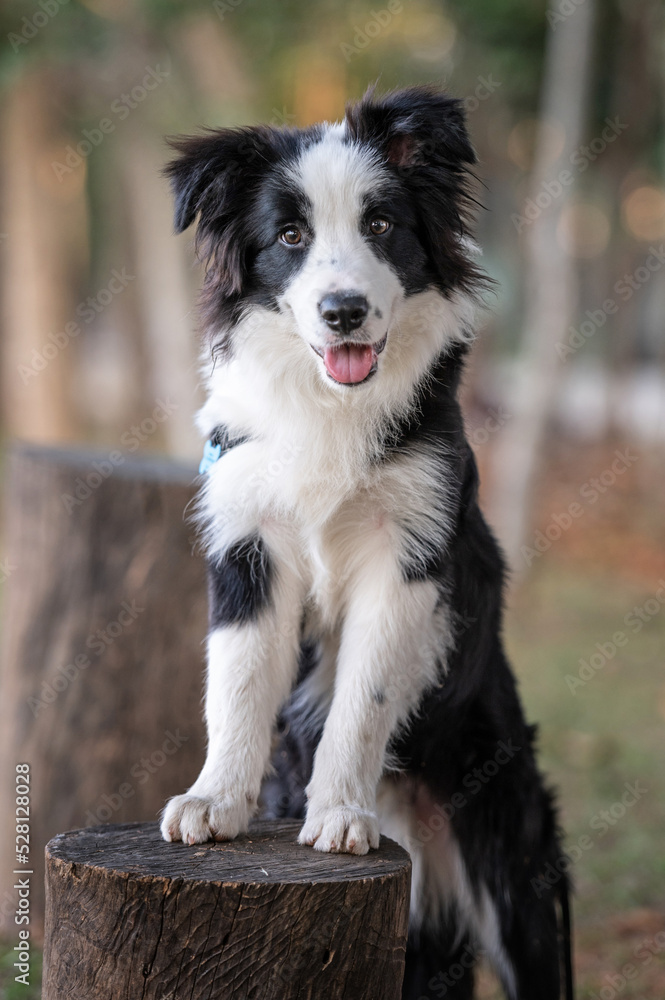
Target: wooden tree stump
x=128, y=915
x=101, y=672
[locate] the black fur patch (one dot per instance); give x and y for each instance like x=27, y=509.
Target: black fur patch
x=220, y=176
x=239, y=583
x=221, y=436
x=436, y=423
x=440, y=962
x=273, y=265
x=421, y=135
x=403, y=246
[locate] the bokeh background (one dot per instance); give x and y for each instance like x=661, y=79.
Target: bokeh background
x=565, y=396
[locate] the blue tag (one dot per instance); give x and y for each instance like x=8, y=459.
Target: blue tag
x=211, y=454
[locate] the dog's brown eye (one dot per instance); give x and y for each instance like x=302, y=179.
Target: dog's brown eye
x=379, y=226
x=290, y=236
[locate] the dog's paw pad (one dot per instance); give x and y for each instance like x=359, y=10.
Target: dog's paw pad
x=341, y=829
x=195, y=819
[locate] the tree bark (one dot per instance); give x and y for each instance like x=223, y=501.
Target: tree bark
x=105, y=616
x=262, y=917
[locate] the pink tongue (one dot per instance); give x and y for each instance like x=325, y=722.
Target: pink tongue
x=349, y=363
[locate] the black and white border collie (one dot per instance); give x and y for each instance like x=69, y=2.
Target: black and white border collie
x=356, y=676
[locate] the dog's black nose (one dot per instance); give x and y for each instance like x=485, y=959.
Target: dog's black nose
x=344, y=311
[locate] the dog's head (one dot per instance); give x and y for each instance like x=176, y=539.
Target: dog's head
x=333, y=226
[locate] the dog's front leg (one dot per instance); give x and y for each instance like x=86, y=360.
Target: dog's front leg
x=387, y=657
x=252, y=659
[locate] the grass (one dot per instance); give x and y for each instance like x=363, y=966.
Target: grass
x=608, y=733
x=9, y=988
x=601, y=736
x=595, y=740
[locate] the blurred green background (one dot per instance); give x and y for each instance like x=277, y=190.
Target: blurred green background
x=565, y=397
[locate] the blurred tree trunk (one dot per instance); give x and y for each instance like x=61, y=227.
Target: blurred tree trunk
x=551, y=280
x=165, y=295
x=102, y=660
x=637, y=94
x=44, y=246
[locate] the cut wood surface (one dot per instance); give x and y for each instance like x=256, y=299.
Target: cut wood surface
x=129, y=915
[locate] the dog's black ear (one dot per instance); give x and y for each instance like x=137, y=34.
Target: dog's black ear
x=417, y=126
x=421, y=135
x=204, y=161
x=190, y=174
x=215, y=177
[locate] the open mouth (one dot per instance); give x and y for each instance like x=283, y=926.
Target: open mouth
x=351, y=364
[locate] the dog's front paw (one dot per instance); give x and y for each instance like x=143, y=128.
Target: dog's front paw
x=340, y=829
x=197, y=818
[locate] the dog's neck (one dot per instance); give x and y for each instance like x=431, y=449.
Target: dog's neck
x=272, y=388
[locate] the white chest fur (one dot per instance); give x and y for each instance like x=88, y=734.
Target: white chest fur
x=309, y=471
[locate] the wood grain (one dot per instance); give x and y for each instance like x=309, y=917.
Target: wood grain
x=261, y=917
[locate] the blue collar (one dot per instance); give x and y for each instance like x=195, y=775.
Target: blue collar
x=211, y=453
x=219, y=442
